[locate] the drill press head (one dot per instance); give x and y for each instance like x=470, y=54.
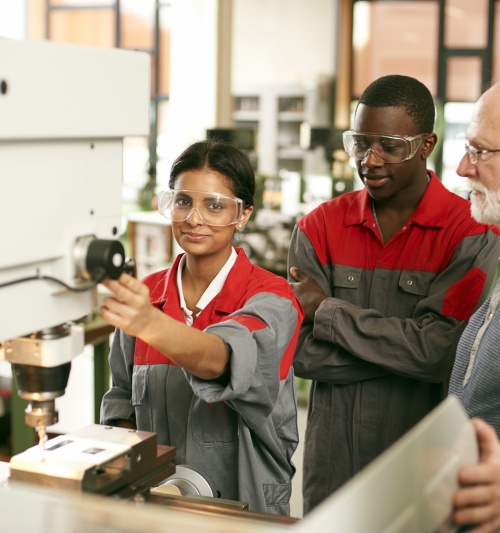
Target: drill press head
x=41, y=386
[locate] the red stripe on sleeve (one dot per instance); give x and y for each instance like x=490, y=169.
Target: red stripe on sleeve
x=249, y=322
x=462, y=297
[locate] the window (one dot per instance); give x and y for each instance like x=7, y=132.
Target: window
x=446, y=44
x=130, y=24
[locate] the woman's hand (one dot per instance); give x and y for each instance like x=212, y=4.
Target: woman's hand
x=130, y=308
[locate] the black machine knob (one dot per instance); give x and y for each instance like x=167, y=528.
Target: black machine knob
x=105, y=259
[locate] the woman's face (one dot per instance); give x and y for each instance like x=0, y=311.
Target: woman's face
x=194, y=235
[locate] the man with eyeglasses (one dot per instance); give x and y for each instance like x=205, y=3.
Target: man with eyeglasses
x=475, y=379
x=388, y=277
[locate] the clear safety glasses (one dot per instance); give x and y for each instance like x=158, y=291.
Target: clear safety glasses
x=387, y=148
x=212, y=208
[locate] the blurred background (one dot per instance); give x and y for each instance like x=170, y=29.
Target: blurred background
x=277, y=78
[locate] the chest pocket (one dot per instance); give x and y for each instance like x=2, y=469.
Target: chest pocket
x=346, y=282
x=414, y=286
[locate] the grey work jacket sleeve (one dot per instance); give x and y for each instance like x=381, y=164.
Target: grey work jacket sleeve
x=116, y=403
x=321, y=359
x=349, y=343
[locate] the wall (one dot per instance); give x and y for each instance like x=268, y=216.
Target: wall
x=282, y=42
x=12, y=19
x=193, y=77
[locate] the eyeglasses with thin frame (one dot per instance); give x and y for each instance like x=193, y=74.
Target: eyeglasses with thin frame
x=390, y=149
x=213, y=208
x=475, y=154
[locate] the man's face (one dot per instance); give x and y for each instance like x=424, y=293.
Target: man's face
x=483, y=133
x=387, y=181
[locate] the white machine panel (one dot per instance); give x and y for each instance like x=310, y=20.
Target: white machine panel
x=64, y=111
x=50, y=90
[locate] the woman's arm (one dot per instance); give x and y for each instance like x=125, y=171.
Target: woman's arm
x=130, y=310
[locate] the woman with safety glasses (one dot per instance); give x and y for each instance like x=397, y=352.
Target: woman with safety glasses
x=203, y=350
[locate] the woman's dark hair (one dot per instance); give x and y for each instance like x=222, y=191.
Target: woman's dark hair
x=396, y=90
x=220, y=157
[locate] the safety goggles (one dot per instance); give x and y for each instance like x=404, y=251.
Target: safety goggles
x=387, y=148
x=212, y=208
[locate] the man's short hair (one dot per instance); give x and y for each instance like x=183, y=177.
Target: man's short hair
x=396, y=90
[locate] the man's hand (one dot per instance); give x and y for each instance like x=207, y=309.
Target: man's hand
x=477, y=502
x=308, y=292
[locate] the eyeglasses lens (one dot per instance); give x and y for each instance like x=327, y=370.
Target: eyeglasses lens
x=472, y=154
